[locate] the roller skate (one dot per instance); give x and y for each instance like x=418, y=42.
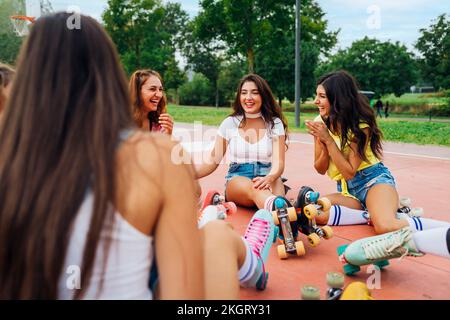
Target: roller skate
x=377, y=250
x=260, y=235
x=309, y=205
x=213, y=198
x=405, y=207
x=284, y=214
x=215, y=212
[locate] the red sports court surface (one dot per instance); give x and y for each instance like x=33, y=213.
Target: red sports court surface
x=422, y=173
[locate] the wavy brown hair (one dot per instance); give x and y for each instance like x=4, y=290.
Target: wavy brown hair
x=59, y=139
x=6, y=76
x=137, y=80
x=348, y=109
x=269, y=108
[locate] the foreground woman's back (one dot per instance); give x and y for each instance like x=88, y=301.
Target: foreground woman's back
x=73, y=193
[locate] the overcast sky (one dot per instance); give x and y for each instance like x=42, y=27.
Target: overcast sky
x=395, y=20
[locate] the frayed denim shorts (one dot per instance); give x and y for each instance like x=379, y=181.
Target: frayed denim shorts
x=249, y=169
x=367, y=178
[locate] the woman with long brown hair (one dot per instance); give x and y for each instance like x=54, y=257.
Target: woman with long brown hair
x=6, y=77
x=348, y=147
x=149, y=102
x=83, y=194
x=88, y=202
x=256, y=134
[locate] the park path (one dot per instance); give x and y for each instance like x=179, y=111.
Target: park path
x=421, y=172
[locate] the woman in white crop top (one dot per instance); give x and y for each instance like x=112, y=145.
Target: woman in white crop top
x=255, y=135
x=86, y=203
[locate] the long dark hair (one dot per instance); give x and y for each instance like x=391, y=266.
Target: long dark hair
x=137, y=80
x=59, y=138
x=269, y=108
x=349, y=108
x=6, y=76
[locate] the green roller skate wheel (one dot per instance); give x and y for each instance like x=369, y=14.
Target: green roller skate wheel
x=310, y=293
x=335, y=280
x=381, y=264
x=350, y=269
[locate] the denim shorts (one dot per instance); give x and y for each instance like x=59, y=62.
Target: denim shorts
x=367, y=178
x=250, y=170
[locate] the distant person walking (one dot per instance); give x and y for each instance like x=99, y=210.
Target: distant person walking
x=379, y=106
x=386, y=110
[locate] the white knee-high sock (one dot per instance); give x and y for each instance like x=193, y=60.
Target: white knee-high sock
x=434, y=241
x=269, y=202
x=420, y=224
x=341, y=216
x=249, y=266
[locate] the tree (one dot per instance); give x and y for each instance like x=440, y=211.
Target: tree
x=197, y=92
x=9, y=42
x=263, y=32
x=382, y=67
x=434, y=45
x=147, y=34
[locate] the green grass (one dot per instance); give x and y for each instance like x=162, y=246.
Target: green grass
x=393, y=130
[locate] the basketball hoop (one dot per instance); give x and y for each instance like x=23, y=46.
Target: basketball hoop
x=21, y=23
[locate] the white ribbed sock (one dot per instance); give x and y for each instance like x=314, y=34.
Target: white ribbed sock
x=434, y=241
x=248, y=268
x=420, y=224
x=269, y=202
x=342, y=216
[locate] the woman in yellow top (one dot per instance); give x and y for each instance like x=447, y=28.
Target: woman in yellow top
x=347, y=146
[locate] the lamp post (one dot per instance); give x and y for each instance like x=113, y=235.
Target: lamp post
x=297, y=62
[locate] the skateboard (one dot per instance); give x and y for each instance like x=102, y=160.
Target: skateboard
x=284, y=215
x=308, y=205
x=213, y=197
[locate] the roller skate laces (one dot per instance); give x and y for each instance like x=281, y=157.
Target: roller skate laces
x=397, y=244
x=259, y=236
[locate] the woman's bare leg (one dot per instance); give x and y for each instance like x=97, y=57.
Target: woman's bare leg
x=240, y=190
x=224, y=254
x=382, y=204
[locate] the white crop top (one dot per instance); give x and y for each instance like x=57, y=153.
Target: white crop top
x=127, y=270
x=241, y=151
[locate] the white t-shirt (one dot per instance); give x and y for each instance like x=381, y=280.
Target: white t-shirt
x=241, y=151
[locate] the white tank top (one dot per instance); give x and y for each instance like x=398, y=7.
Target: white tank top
x=127, y=270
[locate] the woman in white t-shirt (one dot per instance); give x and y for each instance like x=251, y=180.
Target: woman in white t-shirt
x=255, y=135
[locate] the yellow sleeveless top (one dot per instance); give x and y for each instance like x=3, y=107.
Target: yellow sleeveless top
x=333, y=171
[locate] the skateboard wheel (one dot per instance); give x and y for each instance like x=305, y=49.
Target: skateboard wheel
x=310, y=293
x=328, y=231
x=281, y=250
x=313, y=239
x=310, y=211
x=275, y=218
x=335, y=280
x=300, y=248
x=231, y=207
x=325, y=203
x=405, y=202
x=292, y=214
x=350, y=269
